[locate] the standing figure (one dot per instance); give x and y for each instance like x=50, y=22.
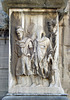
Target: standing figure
x=42, y=55
x=26, y=49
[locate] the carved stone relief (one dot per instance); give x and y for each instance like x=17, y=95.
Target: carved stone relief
x=34, y=49
x=34, y=55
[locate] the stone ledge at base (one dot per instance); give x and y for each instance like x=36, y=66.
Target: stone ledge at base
x=35, y=98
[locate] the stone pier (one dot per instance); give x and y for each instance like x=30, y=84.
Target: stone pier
x=34, y=49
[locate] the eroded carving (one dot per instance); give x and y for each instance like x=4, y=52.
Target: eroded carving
x=24, y=54
x=34, y=47
x=34, y=56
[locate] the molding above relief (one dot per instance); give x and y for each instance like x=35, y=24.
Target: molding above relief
x=46, y=4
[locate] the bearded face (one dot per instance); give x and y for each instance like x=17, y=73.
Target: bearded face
x=20, y=32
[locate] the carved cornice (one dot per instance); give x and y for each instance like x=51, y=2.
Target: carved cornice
x=50, y=4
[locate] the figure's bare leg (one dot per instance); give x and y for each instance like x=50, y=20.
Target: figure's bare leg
x=45, y=82
x=23, y=66
x=56, y=79
x=28, y=64
x=33, y=81
x=53, y=81
x=29, y=81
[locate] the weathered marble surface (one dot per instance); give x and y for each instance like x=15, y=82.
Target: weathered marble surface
x=33, y=67
x=59, y=4
x=66, y=72
x=64, y=52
